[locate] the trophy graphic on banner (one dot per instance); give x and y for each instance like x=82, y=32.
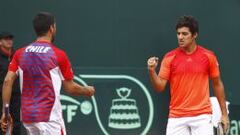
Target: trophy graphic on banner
x=124, y=112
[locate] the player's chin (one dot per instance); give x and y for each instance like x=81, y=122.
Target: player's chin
x=182, y=45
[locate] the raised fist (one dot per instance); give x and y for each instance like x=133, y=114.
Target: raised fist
x=152, y=63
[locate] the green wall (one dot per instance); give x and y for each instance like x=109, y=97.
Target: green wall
x=115, y=37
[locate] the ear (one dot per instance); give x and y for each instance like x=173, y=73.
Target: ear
x=51, y=28
x=195, y=35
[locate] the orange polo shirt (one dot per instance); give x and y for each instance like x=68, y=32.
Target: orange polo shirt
x=188, y=75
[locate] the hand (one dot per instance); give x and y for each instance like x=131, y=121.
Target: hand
x=5, y=122
x=152, y=63
x=225, y=123
x=90, y=90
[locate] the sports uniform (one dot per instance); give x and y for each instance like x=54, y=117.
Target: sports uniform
x=188, y=76
x=41, y=67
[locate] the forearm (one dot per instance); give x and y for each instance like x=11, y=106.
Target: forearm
x=6, y=93
x=219, y=93
x=157, y=83
x=76, y=89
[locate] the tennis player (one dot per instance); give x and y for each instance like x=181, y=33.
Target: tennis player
x=42, y=69
x=188, y=69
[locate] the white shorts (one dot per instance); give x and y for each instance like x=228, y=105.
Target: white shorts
x=46, y=128
x=197, y=125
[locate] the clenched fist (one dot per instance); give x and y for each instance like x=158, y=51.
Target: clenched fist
x=152, y=63
x=90, y=90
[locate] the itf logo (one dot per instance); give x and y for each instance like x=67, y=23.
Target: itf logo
x=121, y=105
x=71, y=109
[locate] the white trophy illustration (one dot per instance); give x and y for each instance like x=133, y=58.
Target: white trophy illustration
x=124, y=112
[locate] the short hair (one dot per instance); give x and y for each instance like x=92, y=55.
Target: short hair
x=189, y=22
x=42, y=22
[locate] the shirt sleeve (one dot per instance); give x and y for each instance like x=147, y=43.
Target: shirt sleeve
x=213, y=66
x=13, y=65
x=65, y=66
x=165, y=68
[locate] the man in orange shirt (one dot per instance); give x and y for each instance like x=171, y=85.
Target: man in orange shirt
x=188, y=69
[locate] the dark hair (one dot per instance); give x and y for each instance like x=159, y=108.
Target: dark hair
x=42, y=22
x=189, y=22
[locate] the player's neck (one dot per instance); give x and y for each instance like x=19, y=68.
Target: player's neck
x=44, y=39
x=191, y=48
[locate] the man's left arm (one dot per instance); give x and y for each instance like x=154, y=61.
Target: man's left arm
x=218, y=89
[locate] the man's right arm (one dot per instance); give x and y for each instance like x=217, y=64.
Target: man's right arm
x=158, y=83
x=75, y=89
x=7, y=87
x=6, y=96
x=69, y=85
